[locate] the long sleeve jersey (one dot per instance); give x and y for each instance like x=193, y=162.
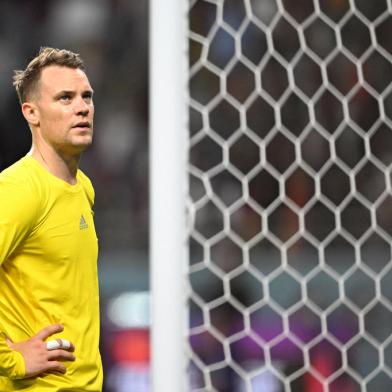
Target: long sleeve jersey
x=48, y=274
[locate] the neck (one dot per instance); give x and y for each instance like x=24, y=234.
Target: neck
x=61, y=165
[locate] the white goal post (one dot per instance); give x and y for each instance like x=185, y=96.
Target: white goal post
x=168, y=190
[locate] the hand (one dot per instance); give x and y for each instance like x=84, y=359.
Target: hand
x=38, y=359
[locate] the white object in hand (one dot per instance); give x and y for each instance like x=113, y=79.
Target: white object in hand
x=57, y=344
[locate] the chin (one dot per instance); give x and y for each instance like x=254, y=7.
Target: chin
x=84, y=141
x=78, y=148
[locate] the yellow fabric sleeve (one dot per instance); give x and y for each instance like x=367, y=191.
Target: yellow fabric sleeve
x=12, y=364
x=18, y=211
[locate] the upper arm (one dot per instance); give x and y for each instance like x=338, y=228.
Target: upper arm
x=18, y=212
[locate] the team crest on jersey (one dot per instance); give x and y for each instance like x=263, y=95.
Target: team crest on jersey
x=83, y=224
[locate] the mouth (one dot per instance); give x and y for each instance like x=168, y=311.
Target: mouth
x=83, y=125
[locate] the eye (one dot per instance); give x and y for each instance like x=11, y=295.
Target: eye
x=88, y=97
x=65, y=98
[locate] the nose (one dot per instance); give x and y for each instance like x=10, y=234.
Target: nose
x=82, y=107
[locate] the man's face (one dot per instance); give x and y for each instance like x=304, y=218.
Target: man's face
x=66, y=109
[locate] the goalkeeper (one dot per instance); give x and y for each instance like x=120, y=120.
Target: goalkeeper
x=49, y=304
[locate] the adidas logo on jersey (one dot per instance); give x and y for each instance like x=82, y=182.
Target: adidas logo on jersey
x=83, y=224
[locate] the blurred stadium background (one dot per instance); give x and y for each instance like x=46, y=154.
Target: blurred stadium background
x=290, y=201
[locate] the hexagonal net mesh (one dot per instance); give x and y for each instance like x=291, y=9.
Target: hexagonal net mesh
x=290, y=281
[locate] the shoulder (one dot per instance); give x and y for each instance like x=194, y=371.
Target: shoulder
x=87, y=186
x=15, y=172
x=17, y=176
x=19, y=191
x=23, y=175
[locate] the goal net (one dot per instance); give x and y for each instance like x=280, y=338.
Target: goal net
x=290, y=207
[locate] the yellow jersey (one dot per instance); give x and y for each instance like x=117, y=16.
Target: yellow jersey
x=48, y=274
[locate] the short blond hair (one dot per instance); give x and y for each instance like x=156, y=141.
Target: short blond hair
x=25, y=82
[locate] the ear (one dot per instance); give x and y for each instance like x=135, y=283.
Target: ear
x=30, y=113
